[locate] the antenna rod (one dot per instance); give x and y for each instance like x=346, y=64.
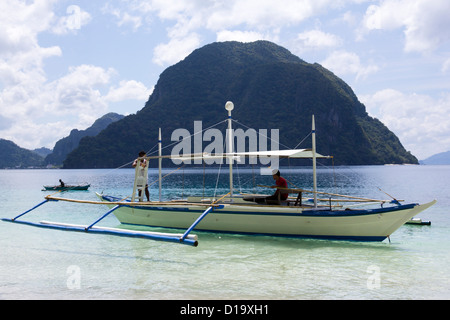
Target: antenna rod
x=229, y=106
x=160, y=162
x=314, y=161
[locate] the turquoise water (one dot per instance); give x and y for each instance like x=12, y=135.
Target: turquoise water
x=40, y=263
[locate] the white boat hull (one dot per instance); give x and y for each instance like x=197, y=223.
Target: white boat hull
x=363, y=225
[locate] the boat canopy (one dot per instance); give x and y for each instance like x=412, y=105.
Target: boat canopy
x=293, y=154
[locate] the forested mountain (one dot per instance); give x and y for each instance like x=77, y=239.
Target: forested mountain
x=64, y=146
x=13, y=156
x=270, y=88
x=43, y=152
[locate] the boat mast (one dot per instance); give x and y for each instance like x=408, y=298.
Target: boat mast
x=229, y=106
x=160, y=162
x=314, y=161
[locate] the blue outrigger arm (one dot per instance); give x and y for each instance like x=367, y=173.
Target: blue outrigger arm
x=177, y=238
x=116, y=207
x=196, y=223
x=36, y=206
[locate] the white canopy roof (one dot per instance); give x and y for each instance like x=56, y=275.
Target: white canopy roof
x=294, y=154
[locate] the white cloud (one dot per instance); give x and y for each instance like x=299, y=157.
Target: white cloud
x=420, y=121
x=78, y=92
x=54, y=109
x=134, y=21
x=350, y=18
x=446, y=66
x=316, y=39
x=229, y=19
x=21, y=23
x=72, y=101
x=262, y=14
x=86, y=75
x=425, y=23
x=35, y=111
x=176, y=49
x=21, y=66
x=345, y=63
x=124, y=18
x=172, y=29
x=128, y=90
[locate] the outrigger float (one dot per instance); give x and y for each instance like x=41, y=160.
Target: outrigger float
x=239, y=213
x=185, y=238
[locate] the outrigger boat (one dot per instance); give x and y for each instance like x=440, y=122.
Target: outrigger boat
x=67, y=187
x=241, y=214
x=292, y=218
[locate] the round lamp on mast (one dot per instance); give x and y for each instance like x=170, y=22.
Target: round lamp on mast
x=229, y=106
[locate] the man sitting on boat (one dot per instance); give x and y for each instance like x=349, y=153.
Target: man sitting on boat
x=278, y=196
x=62, y=185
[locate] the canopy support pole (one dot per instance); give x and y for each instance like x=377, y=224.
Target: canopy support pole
x=314, y=161
x=229, y=106
x=160, y=163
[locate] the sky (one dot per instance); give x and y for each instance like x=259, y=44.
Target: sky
x=65, y=63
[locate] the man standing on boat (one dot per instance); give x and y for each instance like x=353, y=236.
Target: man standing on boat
x=142, y=179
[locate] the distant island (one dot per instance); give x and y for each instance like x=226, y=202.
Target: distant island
x=442, y=158
x=271, y=89
x=66, y=145
x=14, y=157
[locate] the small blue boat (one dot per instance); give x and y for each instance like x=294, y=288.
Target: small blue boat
x=66, y=187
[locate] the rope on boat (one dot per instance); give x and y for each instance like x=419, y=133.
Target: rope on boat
x=170, y=173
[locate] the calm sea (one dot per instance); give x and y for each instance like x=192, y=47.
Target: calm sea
x=40, y=263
